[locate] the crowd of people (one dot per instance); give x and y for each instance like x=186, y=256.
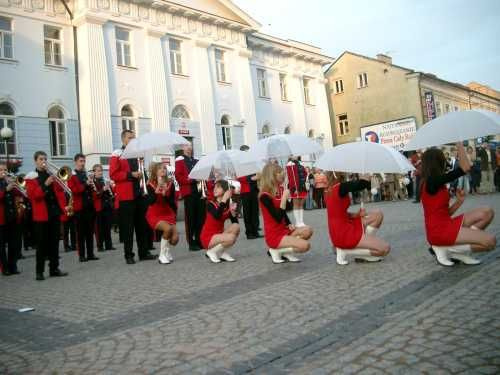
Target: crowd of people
x=80, y=207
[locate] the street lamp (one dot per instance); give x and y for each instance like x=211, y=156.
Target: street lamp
x=6, y=133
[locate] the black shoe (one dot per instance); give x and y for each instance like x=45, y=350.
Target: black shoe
x=258, y=235
x=21, y=257
x=130, y=261
x=194, y=248
x=111, y=248
x=67, y=249
x=39, y=276
x=251, y=237
x=6, y=273
x=148, y=257
x=416, y=201
x=15, y=272
x=58, y=273
x=83, y=259
x=93, y=257
x=100, y=249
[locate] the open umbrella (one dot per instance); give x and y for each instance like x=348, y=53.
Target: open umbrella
x=455, y=127
x=157, y=142
x=364, y=157
x=226, y=164
x=282, y=146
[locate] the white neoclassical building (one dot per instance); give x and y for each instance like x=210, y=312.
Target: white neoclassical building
x=75, y=73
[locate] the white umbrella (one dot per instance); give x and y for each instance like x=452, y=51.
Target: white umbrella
x=153, y=143
x=455, y=127
x=227, y=164
x=282, y=146
x=364, y=157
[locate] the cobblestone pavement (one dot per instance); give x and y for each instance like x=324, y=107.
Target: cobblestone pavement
x=404, y=315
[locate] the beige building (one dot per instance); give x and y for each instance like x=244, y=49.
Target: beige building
x=374, y=96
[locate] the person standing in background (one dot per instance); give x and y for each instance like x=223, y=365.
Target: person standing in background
x=320, y=184
x=488, y=165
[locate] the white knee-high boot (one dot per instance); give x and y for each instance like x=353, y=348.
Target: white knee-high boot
x=163, y=258
x=214, y=253
x=224, y=255
x=463, y=253
x=301, y=218
x=341, y=257
x=296, y=216
x=364, y=254
x=275, y=256
x=288, y=254
x=442, y=255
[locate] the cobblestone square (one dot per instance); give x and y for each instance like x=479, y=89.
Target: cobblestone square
x=405, y=315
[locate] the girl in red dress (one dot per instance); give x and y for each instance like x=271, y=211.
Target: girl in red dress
x=452, y=237
x=213, y=237
x=352, y=234
x=283, y=238
x=162, y=210
x=297, y=176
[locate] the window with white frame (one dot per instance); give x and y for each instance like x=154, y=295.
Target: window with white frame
x=220, y=65
x=123, y=47
x=175, y=56
x=226, y=133
x=266, y=131
x=343, y=124
x=362, y=80
x=339, y=86
x=307, y=90
x=438, y=109
x=128, y=118
x=262, y=83
x=180, y=111
x=57, y=127
x=52, y=45
x=8, y=120
x=6, y=38
x=283, y=87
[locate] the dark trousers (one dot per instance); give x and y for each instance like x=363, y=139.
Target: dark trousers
x=132, y=217
x=319, y=197
x=28, y=232
x=84, y=223
x=103, y=222
x=47, y=235
x=251, y=213
x=10, y=246
x=417, y=188
x=69, y=234
x=194, y=211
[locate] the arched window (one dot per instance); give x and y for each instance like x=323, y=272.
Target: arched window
x=226, y=132
x=8, y=120
x=57, y=128
x=287, y=130
x=310, y=134
x=128, y=118
x=180, y=111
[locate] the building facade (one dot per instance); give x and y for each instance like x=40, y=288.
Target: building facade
x=74, y=74
x=372, y=93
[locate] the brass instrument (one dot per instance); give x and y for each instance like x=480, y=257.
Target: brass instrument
x=61, y=176
x=202, y=188
x=19, y=183
x=143, y=177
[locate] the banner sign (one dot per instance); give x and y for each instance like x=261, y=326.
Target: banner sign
x=393, y=133
x=430, y=106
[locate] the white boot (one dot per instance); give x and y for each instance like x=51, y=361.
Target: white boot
x=287, y=253
x=371, y=230
x=463, y=254
x=226, y=257
x=442, y=256
x=296, y=216
x=275, y=256
x=301, y=218
x=213, y=253
x=169, y=254
x=341, y=257
x=364, y=254
x=163, y=258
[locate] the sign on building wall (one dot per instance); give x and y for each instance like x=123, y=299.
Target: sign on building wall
x=393, y=133
x=430, y=107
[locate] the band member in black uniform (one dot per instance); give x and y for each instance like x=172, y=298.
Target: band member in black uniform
x=250, y=201
x=132, y=204
x=69, y=234
x=47, y=202
x=194, y=205
x=103, y=205
x=81, y=187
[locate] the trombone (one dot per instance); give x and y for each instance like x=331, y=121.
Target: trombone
x=61, y=176
x=19, y=183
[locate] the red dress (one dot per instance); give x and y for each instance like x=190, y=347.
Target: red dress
x=295, y=184
x=160, y=208
x=345, y=231
x=441, y=229
x=213, y=226
x=273, y=231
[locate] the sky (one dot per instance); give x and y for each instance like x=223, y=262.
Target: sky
x=457, y=40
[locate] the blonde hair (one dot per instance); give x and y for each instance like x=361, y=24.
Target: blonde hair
x=268, y=182
x=153, y=173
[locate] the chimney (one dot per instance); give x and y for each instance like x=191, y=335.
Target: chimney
x=384, y=58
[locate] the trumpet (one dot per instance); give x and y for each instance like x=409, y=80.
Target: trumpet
x=19, y=183
x=61, y=176
x=202, y=187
